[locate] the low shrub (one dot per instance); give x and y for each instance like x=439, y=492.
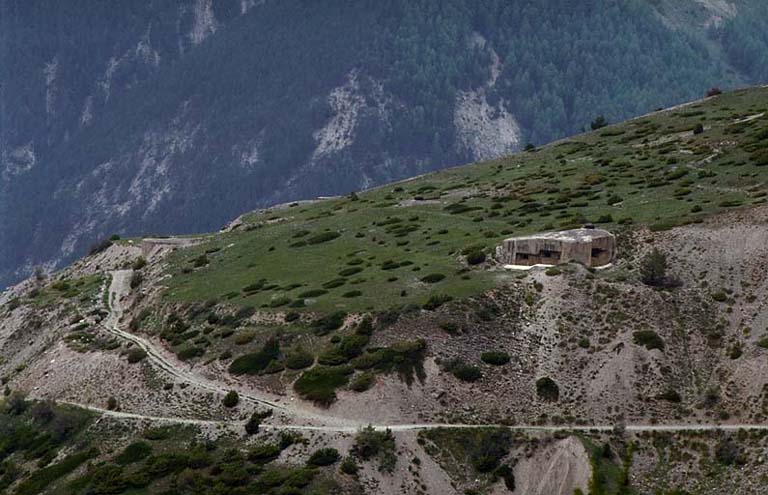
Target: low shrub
x=329, y=323
x=350, y=271
x=649, y=339
x=254, y=422
x=496, y=358
x=547, y=389
x=349, y=466
x=337, y=282
x=324, y=457
x=319, y=384
x=476, y=257
x=252, y=364
x=264, y=453
x=433, y=278
x=231, y=399
x=136, y=354
x=139, y=263
x=133, y=453
x=312, y=293
x=467, y=373
x=190, y=352
x=323, y=237
x=653, y=268
x=245, y=338
x=41, y=479
x=298, y=359
x=363, y=382
x=370, y=444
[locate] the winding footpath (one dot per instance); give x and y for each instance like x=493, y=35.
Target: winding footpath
x=307, y=420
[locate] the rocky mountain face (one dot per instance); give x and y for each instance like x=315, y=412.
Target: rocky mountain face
x=142, y=117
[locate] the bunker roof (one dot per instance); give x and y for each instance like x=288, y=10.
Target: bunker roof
x=574, y=235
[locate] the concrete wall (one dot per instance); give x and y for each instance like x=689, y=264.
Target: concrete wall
x=597, y=251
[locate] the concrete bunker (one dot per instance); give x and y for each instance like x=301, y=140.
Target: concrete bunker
x=589, y=246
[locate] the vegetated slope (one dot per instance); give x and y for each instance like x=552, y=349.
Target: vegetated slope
x=175, y=117
x=319, y=307
x=665, y=169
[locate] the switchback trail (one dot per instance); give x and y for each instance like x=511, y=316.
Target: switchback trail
x=120, y=288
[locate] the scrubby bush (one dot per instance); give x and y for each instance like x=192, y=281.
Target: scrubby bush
x=319, y=384
x=254, y=422
x=15, y=404
x=200, y=261
x=298, y=359
x=323, y=237
x=433, y=278
x=363, y=382
x=476, y=257
x=231, y=399
x=350, y=271
x=245, y=338
x=324, y=457
x=190, y=352
x=136, y=354
x=264, y=453
x=728, y=453
x=653, y=268
x=370, y=444
x=329, y=323
x=467, y=373
x=405, y=357
x=133, y=453
x=463, y=371
x=547, y=389
x=252, y=364
x=332, y=357
x=496, y=358
x=349, y=466
x=312, y=293
x=337, y=282
x=649, y=339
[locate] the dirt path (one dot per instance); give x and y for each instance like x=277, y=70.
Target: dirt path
x=296, y=416
x=426, y=426
x=120, y=289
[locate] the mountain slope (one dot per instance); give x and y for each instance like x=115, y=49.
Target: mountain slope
x=175, y=116
x=365, y=309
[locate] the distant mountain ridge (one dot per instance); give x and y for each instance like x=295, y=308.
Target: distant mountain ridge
x=141, y=117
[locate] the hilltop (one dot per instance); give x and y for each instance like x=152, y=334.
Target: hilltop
x=143, y=117
x=387, y=307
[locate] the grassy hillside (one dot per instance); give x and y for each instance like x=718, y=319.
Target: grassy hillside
x=408, y=242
